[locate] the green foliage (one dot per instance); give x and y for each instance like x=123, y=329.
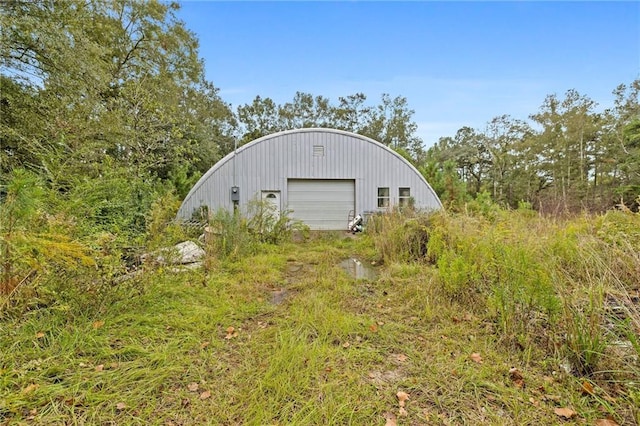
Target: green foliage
x=389, y=122
x=97, y=114
x=462, y=257
x=399, y=236
x=445, y=181
x=483, y=205
x=115, y=203
x=235, y=236
x=268, y=223
x=578, y=159
x=162, y=228
x=523, y=296
x=229, y=235
x=521, y=290
x=31, y=241
x=111, y=94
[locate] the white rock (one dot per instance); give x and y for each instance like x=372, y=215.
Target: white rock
x=189, y=252
x=182, y=253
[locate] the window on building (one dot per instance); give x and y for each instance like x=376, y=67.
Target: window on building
x=404, y=196
x=318, y=150
x=383, y=197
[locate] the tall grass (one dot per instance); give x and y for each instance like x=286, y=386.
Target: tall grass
x=546, y=282
x=235, y=234
x=516, y=288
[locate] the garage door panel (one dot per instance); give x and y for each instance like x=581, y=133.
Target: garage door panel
x=321, y=203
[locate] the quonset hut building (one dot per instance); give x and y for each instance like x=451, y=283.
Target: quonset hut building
x=322, y=176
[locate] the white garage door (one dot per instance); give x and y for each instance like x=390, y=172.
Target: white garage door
x=321, y=204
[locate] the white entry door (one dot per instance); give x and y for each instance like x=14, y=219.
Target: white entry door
x=273, y=199
x=322, y=204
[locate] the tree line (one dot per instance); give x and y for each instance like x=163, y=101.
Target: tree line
x=568, y=156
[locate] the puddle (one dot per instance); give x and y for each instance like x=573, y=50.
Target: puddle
x=279, y=296
x=359, y=270
x=294, y=267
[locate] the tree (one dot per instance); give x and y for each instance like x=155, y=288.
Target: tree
x=258, y=119
x=568, y=143
x=129, y=88
x=123, y=98
x=509, y=170
x=618, y=166
x=390, y=122
x=305, y=111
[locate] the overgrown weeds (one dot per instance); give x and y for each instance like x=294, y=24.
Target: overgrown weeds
x=400, y=235
x=461, y=299
x=232, y=234
x=567, y=286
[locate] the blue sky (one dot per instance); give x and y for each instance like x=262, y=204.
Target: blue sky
x=457, y=63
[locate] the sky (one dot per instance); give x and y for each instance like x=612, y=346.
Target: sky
x=457, y=63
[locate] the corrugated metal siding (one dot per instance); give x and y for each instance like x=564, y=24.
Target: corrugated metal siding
x=267, y=164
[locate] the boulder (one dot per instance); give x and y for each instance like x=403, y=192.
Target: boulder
x=189, y=252
x=182, y=253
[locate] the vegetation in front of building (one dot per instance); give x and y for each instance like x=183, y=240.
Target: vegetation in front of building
x=275, y=331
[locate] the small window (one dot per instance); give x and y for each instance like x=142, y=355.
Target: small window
x=318, y=150
x=404, y=197
x=383, y=197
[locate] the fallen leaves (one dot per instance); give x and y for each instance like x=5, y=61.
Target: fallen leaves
x=605, y=422
x=402, y=398
x=565, y=412
x=516, y=377
x=475, y=357
x=121, y=406
x=401, y=357
x=193, y=387
x=467, y=317
x=205, y=395
x=551, y=398
x=231, y=333
x=97, y=324
x=587, y=388
x=391, y=419
x=39, y=335
x=99, y=367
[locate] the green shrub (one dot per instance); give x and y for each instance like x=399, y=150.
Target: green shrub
x=523, y=296
x=31, y=240
x=234, y=235
x=401, y=235
x=269, y=225
x=162, y=228
x=483, y=205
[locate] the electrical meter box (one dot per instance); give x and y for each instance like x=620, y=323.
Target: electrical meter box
x=235, y=194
